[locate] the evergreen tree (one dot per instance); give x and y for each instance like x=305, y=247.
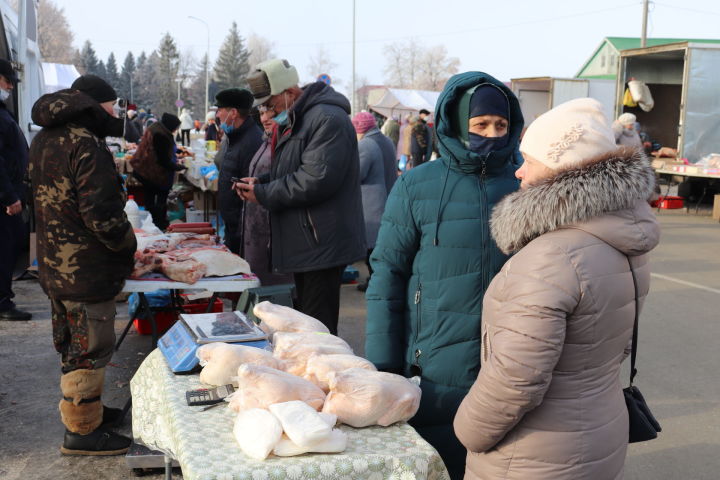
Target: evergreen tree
x=87, y=60
x=125, y=85
x=101, y=70
x=113, y=78
x=167, y=72
x=145, y=86
x=196, y=91
x=232, y=68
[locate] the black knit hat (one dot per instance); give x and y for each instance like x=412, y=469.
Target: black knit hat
x=234, y=98
x=170, y=121
x=95, y=87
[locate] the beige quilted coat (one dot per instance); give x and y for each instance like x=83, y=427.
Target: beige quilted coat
x=557, y=322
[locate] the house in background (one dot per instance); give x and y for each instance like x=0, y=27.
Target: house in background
x=603, y=63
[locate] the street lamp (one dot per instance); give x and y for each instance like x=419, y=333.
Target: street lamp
x=207, y=62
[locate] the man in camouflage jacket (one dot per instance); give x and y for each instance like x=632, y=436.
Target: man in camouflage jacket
x=85, y=248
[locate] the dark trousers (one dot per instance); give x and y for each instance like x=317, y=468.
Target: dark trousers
x=367, y=262
x=11, y=236
x=156, y=204
x=185, y=134
x=319, y=295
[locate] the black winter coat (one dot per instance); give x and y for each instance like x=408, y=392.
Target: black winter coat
x=240, y=149
x=13, y=159
x=313, y=189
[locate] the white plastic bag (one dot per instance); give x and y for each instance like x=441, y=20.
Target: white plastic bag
x=301, y=423
x=319, y=367
x=258, y=432
x=278, y=318
x=295, y=348
x=362, y=397
x=641, y=94
x=336, y=442
x=149, y=227
x=220, y=361
x=260, y=386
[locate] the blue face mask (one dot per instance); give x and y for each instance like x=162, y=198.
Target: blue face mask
x=228, y=129
x=484, y=145
x=281, y=118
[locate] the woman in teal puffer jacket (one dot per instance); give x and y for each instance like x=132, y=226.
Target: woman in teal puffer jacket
x=435, y=257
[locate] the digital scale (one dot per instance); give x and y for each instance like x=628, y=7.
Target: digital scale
x=179, y=344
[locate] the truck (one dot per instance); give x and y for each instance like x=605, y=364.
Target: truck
x=683, y=81
x=19, y=45
x=537, y=95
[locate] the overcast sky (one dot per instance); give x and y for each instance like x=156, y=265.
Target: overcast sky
x=506, y=38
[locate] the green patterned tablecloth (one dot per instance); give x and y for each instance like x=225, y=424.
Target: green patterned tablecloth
x=204, y=445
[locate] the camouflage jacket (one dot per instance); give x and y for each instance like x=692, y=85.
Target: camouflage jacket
x=85, y=244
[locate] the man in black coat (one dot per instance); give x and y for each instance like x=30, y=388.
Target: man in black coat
x=243, y=137
x=13, y=165
x=313, y=188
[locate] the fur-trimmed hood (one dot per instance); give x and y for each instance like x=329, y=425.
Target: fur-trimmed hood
x=606, y=197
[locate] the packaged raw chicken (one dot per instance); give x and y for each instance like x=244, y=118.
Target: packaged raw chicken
x=295, y=348
x=335, y=442
x=260, y=386
x=257, y=431
x=319, y=367
x=220, y=361
x=278, y=318
x=301, y=423
x=362, y=397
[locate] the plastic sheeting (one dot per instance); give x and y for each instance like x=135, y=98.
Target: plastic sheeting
x=58, y=76
x=397, y=102
x=702, y=121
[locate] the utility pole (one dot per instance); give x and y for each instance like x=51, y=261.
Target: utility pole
x=352, y=104
x=643, y=38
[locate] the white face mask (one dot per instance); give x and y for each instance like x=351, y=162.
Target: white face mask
x=4, y=94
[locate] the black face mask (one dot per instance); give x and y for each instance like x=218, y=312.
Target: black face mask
x=484, y=145
x=111, y=126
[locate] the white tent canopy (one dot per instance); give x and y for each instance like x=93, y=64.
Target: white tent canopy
x=397, y=102
x=58, y=76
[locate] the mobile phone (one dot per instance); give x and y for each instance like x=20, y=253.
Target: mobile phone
x=237, y=180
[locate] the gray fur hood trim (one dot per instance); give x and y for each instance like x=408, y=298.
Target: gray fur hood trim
x=612, y=182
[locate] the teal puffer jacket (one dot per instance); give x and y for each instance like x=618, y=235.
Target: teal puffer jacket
x=435, y=257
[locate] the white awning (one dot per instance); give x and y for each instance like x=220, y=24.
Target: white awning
x=58, y=76
x=397, y=102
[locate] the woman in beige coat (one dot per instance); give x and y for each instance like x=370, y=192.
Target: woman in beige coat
x=558, y=318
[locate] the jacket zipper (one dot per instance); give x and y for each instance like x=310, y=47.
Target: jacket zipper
x=418, y=307
x=485, y=223
x=312, y=227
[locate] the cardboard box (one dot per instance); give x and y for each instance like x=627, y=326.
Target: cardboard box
x=201, y=199
x=716, y=208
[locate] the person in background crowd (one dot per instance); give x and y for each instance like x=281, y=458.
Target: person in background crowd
x=403, y=148
x=625, y=131
x=255, y=234
x=154, y=165
x=211, y=132
x=313, y=189
x=132, y=134
x=558, y=319
x=434, y=255
x=85, y=249
x=244, y=138
x=377, y=177
x=419, y=141
x=13, y=193
x=139, y=121
x=186, y=124
x=427, y=119
x=391, y=129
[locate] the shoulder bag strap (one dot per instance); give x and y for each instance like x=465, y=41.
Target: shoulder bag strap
x=633, y=353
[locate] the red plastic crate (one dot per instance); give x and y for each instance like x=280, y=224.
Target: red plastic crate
x=165, y=320
x=670, y=202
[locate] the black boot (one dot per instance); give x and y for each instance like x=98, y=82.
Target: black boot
x=99, y=442
x=112, y=417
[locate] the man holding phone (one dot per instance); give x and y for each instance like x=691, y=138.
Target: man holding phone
x=313, y=188
x=242, y=139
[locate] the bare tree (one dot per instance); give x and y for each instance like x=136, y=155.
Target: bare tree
x=411, y=65
x=321, y=63
x=260, y=49
x=435, y=68
x=54, y=35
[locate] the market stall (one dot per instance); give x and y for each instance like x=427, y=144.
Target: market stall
x=203, y=443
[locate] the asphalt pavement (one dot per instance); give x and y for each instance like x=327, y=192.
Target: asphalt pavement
x=677, y=362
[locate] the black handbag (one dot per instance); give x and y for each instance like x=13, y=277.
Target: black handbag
x=643, y=425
